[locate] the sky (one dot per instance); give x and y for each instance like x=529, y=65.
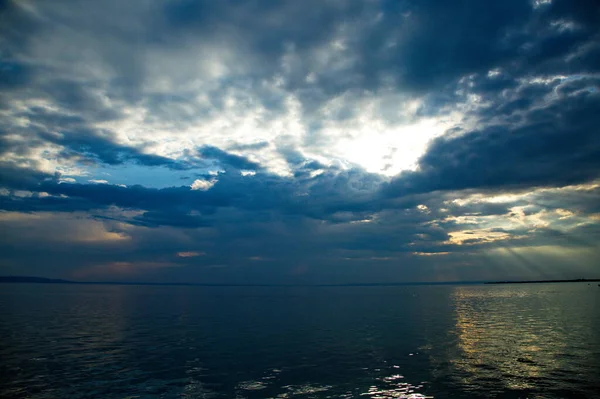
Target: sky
x=300, y=142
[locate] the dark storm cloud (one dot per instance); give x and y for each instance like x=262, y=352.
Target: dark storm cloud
x=404, y=40
x=37, y=203
x=97, y=146
x=16, y=28
x=318, y=197
x=14, y=75
x=77, y=139
x=227, y=159
x=583, y=201
x=556, y=145
x=90, y=146
x=78, y=98
x=16, y=178
x=175, y=219
x=419, y=46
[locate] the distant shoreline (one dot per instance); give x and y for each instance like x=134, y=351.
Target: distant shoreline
x=43, y=280
x=579, y=280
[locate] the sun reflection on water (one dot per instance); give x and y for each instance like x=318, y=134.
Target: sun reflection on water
x=392, y=387
x=507, y=336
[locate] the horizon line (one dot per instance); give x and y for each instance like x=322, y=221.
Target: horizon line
x=42, y=280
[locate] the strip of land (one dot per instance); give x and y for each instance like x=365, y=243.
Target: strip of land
x=579, y=280
x=42, y=280
x=27, y=279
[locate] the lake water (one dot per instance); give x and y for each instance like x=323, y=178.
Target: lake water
x=110, y=341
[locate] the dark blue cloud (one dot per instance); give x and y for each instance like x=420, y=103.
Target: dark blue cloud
x=16, y=178
x=77, y=139
x=403, y=43
x=175, y=219
x=14, y=75
x=556, y=145
x=227, y=159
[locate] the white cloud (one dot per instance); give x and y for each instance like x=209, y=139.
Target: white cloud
x=203, y=185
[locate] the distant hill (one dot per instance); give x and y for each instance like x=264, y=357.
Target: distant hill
x=25, y=279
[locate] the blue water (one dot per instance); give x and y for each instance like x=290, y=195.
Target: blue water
x=109, y=341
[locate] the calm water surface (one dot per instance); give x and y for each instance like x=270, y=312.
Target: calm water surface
x=510, y=341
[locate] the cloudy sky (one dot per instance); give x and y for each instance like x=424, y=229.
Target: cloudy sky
x=313, y=141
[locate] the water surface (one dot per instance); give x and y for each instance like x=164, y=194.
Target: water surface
x=110, y=341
